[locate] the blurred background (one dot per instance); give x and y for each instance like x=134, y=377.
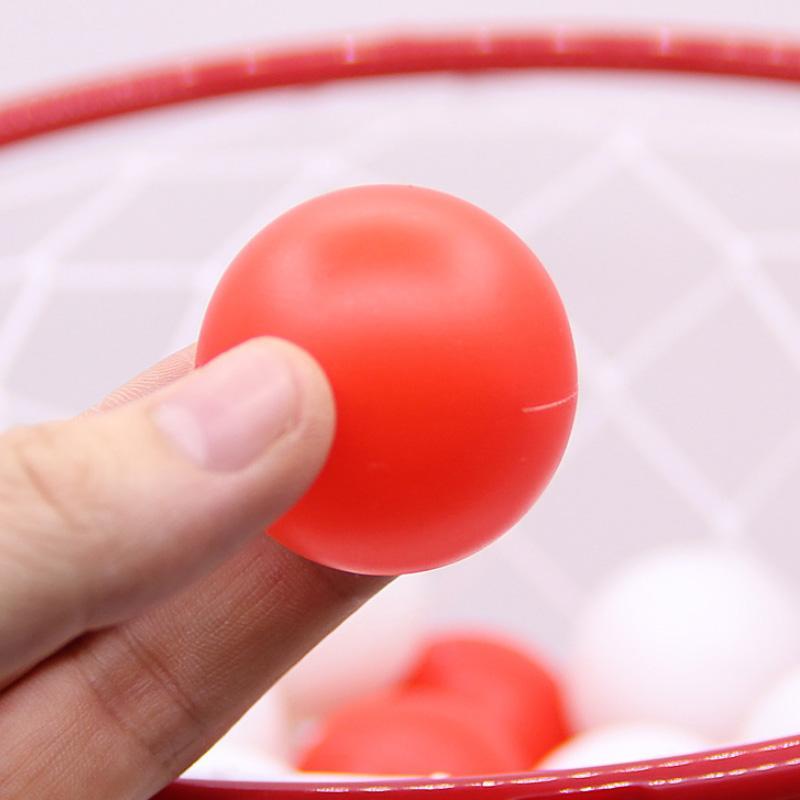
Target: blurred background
x=664, y=207
x=55, y=40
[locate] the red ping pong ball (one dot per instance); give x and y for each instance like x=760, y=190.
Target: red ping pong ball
x=450, y=358
x=499, y=677
x=413, y=733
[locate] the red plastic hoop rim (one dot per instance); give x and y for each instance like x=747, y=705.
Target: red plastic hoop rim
x=557, y=48
x=756, y=772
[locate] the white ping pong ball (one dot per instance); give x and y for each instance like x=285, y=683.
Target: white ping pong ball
x=370, y=651
x=264, y=728
x=232, y=762
x=777, y=713
x=621, y=743
x=687, y=636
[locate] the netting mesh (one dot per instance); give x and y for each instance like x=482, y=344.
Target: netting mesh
x=666, y=210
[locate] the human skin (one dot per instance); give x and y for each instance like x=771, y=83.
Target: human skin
x=142, y=609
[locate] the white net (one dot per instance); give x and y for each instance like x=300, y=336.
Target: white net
x=666, y=210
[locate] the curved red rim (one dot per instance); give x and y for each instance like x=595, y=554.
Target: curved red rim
x=768, y=770
x=561, y=47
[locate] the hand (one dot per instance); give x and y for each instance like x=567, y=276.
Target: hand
x=142, y=610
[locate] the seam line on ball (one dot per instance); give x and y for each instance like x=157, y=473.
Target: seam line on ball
x=545, y=406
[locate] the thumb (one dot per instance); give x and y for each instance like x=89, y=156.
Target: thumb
x=103, y=515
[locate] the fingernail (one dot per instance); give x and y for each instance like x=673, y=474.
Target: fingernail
x=228, y=412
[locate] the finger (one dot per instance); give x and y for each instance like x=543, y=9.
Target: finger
x=166, y=371
x=101, y=516
x=121, y=713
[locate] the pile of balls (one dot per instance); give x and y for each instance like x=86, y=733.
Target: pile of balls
x=683, y=650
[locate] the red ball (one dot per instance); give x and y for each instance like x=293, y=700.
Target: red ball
x=451, y=363
x=502, y=679
x=416, y=733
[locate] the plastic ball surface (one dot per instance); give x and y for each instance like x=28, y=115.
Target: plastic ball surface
x=263, y=729
x=687, y=636
x=227, y=761
x=367, y=653
x=450, y=358
x=622, y=743
x=412, y=733
x=776, y=713
x=502, y=679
